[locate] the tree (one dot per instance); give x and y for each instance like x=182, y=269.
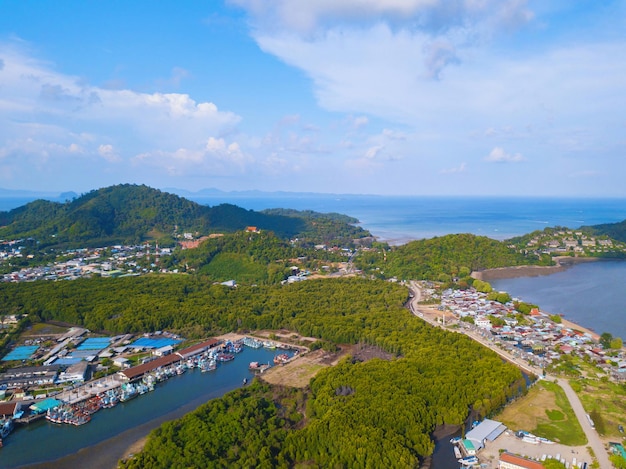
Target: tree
x=605, y=340
x=616, y=343
x=482, y=286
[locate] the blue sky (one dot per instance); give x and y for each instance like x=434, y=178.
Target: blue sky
x=424, y=97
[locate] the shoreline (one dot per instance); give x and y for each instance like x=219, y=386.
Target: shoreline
x=562, y=263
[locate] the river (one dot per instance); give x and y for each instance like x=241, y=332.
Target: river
x=112, y=431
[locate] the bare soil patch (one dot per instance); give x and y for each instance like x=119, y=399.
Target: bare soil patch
x=299, y=372
x=363, y=353
x=46, y=329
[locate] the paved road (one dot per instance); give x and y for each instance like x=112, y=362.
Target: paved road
x=418, y=310
x=593, y=438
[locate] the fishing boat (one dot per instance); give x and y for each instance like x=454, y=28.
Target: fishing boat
x=207, y=365
x=281, y=359
x=6, y=426
x=225, y=357
x=251, y=342
x=129, y=391
x=469, y=460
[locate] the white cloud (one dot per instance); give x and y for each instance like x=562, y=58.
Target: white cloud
x=75, y=148
x=360, y=121
x=372, y=152
x=498, y=155
x=448, y=70
x=48, y=116
x=107, y=152
x=456, y=169
x=307, y=17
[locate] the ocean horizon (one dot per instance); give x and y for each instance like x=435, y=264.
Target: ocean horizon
x=400, y=219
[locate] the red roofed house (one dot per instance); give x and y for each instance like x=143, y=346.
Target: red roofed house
x=511, y=461
x=10, y=409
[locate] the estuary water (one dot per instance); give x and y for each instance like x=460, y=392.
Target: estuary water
x=590, y=294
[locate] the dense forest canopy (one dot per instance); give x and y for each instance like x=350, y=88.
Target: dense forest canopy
x=615, y=231
x=441, y=258
x=384, y=420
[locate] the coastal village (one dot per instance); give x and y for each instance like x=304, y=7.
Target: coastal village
x=71, y=264
x=82, y=373
x=563, y=241
x=538, y=338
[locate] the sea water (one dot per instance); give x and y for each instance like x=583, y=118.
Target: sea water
x=399, y=219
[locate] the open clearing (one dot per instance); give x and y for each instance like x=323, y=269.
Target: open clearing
x=299, y=372
x=606, y=401
x=545, y=412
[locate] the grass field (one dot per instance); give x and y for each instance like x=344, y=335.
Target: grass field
x=545, y=412
x=606, y=403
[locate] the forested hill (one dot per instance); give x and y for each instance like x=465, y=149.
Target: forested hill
x=133, y=213
x=615, y=231
x=445, y=257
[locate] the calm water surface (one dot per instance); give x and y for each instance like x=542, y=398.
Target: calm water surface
x=592, y=295
x=45, y=441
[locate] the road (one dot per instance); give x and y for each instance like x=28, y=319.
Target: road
x=593, y=438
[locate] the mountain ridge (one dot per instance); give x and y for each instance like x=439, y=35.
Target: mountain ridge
x=129, y=213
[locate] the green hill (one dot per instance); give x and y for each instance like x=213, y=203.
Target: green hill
x=616, y=231
x=444, y=257
x=132, y=214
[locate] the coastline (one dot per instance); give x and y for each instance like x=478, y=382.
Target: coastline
x=562, y=263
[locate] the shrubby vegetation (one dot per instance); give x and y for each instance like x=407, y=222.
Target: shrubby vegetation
x=260, y=258
x=443, y=258
x=615, y=231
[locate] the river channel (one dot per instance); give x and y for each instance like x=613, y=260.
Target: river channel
x=43, y=441
x=103, y=441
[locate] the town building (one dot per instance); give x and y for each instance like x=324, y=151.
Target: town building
x=512, y=461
